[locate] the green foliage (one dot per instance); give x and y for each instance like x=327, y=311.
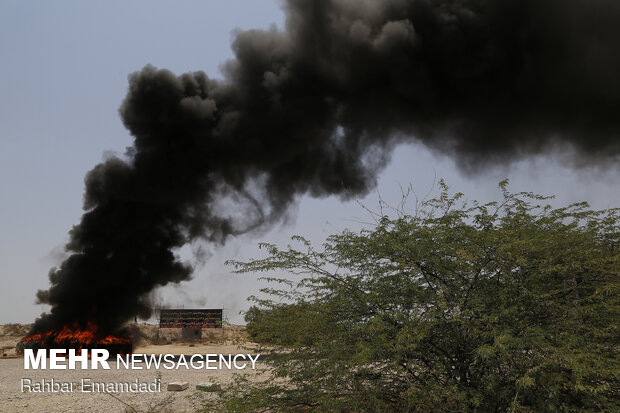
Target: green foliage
x=503, y=306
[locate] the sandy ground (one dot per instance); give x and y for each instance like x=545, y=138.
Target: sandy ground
x=14, y=398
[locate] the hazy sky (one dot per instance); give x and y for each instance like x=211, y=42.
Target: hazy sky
x=63, y=75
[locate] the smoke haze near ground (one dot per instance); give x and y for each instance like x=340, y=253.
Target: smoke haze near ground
x=316, y=109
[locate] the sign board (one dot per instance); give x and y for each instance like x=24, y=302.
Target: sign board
x=190, y=318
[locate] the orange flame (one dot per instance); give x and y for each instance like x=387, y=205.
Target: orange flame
x=72, y=337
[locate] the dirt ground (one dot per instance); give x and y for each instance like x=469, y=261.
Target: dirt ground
x=150, y=340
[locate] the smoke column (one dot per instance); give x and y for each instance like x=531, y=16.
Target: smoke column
x=315, y=109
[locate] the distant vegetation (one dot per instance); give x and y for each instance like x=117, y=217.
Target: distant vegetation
x=453, y=306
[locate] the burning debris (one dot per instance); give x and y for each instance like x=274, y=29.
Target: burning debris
x=316, y=109
x=76, y=338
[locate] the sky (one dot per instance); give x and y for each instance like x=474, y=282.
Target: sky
x=64, y=67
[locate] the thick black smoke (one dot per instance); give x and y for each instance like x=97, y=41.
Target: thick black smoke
x=315, y=109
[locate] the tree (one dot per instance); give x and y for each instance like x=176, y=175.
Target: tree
x=503, y=306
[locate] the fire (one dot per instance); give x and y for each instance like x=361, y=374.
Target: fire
x=74, y=337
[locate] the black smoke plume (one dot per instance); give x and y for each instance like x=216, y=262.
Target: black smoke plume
x=316, y=109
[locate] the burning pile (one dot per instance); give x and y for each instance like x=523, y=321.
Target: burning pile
x=75, y=337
